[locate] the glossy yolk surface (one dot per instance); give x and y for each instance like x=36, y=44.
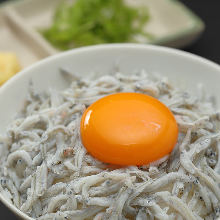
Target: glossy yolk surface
x=128, y=129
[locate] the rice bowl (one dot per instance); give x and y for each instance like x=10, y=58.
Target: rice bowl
x=141, y=63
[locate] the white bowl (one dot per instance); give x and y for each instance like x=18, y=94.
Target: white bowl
x=183, y=69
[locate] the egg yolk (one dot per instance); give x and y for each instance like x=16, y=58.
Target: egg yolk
x=128, y=129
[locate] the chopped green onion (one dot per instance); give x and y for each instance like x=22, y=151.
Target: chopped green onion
x=88, y=22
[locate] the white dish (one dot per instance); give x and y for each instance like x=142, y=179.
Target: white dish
x=183, y=69
x=13, y=41
x=171, y=23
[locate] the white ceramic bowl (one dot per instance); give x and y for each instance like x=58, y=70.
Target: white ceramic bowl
x=183, y=69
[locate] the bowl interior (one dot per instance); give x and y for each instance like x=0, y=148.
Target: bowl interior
x=183, y=69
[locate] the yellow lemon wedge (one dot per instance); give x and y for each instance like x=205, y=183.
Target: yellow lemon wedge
x=9, y=66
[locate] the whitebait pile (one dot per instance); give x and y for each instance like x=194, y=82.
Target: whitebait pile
x=47, y=173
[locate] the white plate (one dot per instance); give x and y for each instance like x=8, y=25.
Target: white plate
x=171, y=24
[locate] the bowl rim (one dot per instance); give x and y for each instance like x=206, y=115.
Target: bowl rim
x=106, y=48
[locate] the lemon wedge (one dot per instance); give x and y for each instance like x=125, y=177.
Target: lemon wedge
x=9, y=66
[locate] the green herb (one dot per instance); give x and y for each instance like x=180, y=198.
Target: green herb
x=87, y=22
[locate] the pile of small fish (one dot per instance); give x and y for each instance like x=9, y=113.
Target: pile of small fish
x=46, y=172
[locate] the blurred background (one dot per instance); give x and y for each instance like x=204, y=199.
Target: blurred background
x=30, y=30
x=208, y=44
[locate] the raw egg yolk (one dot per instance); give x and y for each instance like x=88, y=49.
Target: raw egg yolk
x=128, y=129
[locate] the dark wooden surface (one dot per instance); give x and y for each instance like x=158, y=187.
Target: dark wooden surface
x=207, y=46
